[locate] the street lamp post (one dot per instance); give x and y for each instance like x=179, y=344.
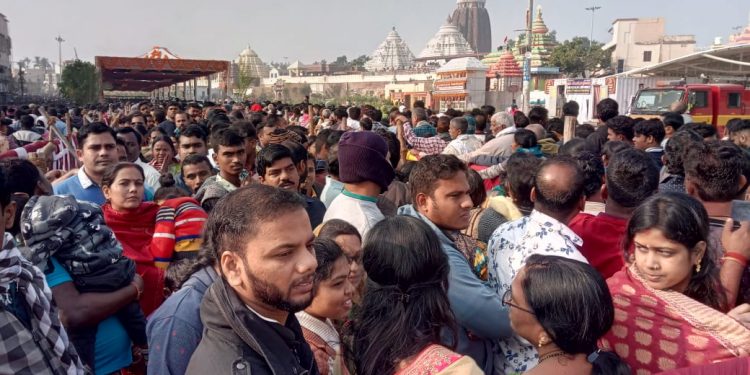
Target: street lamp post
x=593, y=10
x=527, y=60
x=59, y=41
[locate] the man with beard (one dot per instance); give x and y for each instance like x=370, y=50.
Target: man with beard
x=276, y=168
x=440, y=197
x=262, y=239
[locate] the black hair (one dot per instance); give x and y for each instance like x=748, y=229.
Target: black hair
x=366, y=123
x=607, y=109
x=111, y=173
x=238, y=216
x=430, y=169
x=622, y=125
x=327, y=252
x=354, y=113
x=572, y=302
x=405, y=307
x=684, y=220
x=650, y=128
x=573, y=147
x=632, y=177
x=673, y=119
x=26, y=122
x=22, y=176
x=715, y=168
x=676, y=148
x=160, y=116
x=612, y=147
x=460, y=123
x=194, y=159
x=525, y=138
x=521, y=169
x=193, y=131
x=476, y=184
x=177, y=273
x=538, y=115
x=394, y=145
x=593, y=172
x=128, y=130
x=571, y=108
x=520, y=119
x=94, y=128
x=556, y=125
x=554, y=195
x=584, y=130
x=299, y=153
x=168, y=190
x=269, y=155
x=226, y=138
x=337, y=227
x=705, y=130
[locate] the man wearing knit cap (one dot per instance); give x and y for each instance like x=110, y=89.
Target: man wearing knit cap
x=366, y=172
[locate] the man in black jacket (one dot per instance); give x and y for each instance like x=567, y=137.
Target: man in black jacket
x=262, y=239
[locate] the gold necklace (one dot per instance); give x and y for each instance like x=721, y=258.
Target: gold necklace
x=547, y=356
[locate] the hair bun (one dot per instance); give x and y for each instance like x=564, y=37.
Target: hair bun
x=167, y=180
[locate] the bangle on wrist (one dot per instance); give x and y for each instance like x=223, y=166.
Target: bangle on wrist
x=739, y=258
x=138, y=291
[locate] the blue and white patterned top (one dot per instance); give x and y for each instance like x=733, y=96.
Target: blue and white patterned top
x=508, y=249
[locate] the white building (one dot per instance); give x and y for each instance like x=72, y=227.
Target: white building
x=639, y=42
x=392, y=54
x=448, y=43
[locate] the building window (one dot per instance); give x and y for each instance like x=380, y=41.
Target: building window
x=646, y=56
x=734, y=100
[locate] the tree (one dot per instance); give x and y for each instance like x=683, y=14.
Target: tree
x=578, y=56
x=341, y=60
x=359, y=62
x=244, y=81
x=80, y=83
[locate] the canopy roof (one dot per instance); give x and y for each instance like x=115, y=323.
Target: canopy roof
x=730, y=61
x=152, y=72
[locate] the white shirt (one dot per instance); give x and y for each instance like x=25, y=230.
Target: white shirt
x=462, y=145
x=354, y=124
x=358, y=210
x=508, y=130
x=508, y=249
x=151, y=174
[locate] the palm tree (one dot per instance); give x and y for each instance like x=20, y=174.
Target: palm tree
x=45, y=63
x=37, y=62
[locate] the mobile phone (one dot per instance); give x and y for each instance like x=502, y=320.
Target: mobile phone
x=740, y=211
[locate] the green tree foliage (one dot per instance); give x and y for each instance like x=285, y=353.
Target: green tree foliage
x=359, y=62
x=80, y=83
x=341, y=60
x=575, y=57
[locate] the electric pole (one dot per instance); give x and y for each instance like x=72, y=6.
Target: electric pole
x=527, y=60
x=59, y=40
x=593, y=10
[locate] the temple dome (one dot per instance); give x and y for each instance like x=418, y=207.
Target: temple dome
x=506, y=66
x=249, y=62
x=448, y=42
x=392, y=54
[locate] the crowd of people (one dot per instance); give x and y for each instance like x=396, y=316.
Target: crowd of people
x=265, y=238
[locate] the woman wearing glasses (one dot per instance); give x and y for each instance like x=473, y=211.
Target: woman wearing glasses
x=405, y=307
x=563, y=307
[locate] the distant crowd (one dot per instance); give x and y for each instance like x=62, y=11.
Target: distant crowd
x=178, y=237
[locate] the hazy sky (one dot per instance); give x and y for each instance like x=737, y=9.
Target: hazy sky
x=311, y=30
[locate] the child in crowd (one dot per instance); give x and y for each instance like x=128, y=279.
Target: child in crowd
x=332, y=300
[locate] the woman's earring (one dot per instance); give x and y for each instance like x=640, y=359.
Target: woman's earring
x=698, y=268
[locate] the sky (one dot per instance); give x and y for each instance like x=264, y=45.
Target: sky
x=312, y=30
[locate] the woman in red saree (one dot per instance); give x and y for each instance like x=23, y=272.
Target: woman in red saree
x=134, y=223
x=397, y=329
x=669, y=303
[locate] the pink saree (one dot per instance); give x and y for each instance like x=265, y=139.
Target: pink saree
x=656, y=330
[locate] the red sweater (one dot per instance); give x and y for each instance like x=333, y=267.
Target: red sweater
x=602, y=237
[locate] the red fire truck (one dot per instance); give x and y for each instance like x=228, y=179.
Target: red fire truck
x=710, y=103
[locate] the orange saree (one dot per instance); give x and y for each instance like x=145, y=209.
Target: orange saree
x=657, y=330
